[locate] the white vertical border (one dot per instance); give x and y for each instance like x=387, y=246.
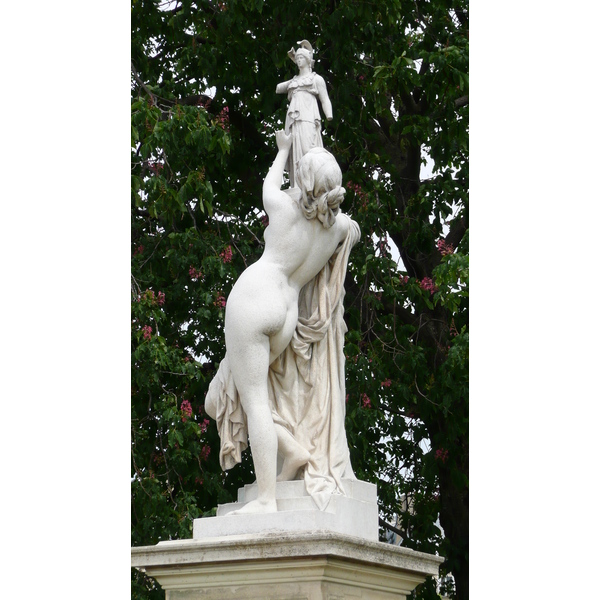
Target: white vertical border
x=65, y=308
x=534, y=219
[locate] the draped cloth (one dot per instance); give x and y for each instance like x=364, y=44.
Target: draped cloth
x=231, y=418
x=302, y=120
x=307, y=388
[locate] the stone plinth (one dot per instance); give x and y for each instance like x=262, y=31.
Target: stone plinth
x=355, y=514
x=297, y=553
x=284, y=566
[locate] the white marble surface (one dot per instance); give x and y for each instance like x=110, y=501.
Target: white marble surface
x=354, y=514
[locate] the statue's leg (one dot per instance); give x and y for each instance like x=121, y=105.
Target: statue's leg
x=249, y=363
x=294, y=455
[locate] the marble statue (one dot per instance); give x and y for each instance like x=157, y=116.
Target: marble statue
x=303, y=120
x=282, y=380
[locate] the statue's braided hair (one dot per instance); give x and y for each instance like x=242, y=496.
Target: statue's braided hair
x=320, y=179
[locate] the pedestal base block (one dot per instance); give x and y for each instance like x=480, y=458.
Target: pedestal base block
x=275, y=566
x=354, y=514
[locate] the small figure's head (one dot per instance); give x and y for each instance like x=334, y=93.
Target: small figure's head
x=319, y=178
x=303, y=56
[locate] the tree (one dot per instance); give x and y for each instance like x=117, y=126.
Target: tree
x=204, y=112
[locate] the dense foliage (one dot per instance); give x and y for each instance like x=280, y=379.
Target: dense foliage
x=204, y=110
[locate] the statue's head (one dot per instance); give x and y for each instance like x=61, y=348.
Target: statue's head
x=319, y=178
x=305, y=52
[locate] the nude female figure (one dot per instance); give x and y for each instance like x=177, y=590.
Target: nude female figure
x=305, y=228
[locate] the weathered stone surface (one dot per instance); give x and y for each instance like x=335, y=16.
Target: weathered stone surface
x=315, y=566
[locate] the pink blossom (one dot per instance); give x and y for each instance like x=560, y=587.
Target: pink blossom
x=204, y=425
x=265, y=220
x=147, y=331
x=161, y=298
x=195, y=273
x=427, y=284
x=404, y=279
x=444, y=248
x=186, y=409
x=227, y=255
x=441, y=454
x=383, y=246
x=366, y=401
x=205, y=452
x=222, y=119
x=220, y=302
x=362, y=196
x=138, y=250
x=386, y=383
x=156, y=167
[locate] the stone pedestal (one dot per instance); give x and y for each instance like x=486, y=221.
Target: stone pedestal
x=276, y=566
x=297, y=553
x=354, y=514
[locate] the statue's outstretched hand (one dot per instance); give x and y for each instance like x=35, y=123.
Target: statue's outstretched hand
x=284, y=141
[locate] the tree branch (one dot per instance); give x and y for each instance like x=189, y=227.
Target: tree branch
x=462, y=101
x=141, y=83
x=389, y=526
x=458, y=229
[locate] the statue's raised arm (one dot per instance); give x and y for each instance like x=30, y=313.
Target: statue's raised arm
x=272, y=184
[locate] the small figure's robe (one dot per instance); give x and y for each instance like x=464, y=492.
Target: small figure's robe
x=303, y=120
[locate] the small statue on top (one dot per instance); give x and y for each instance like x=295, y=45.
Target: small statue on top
x=303, y=120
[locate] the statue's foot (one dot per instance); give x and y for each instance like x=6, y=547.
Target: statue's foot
x=256, y=507
x=291, y=464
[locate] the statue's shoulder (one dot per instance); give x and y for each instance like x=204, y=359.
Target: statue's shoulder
x=344, y=223
x=318, y=79
x=277, y=202
x=351, y=227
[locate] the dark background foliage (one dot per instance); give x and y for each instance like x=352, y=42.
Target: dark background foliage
x=204, y=111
